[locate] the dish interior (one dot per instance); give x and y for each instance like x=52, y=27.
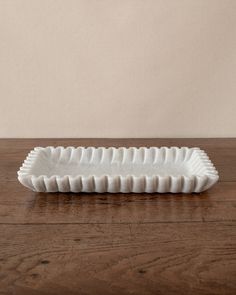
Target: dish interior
x=117, y=161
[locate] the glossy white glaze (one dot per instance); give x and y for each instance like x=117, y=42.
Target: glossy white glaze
x=114, y=170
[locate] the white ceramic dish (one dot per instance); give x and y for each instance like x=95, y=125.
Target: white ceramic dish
x=116, y=170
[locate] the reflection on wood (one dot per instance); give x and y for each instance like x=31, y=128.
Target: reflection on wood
x=118, y=244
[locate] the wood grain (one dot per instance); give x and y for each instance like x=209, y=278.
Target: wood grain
x=117, y=243
x=24, y=206
x=119, y=259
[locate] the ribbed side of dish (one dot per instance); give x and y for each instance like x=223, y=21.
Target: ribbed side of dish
x=205, y=174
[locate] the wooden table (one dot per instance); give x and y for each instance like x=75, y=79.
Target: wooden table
x=117, y=243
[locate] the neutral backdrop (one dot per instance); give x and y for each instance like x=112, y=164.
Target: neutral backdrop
x=113, y=68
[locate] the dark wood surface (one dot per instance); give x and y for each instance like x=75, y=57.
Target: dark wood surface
x=117, y=243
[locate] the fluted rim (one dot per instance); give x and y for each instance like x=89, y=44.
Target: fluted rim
x=205, y=173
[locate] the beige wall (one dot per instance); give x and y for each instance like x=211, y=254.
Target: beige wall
x=132, y=68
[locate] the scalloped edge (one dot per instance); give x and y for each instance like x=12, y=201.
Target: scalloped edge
x=206, y=178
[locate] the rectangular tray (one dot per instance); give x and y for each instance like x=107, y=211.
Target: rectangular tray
x=118, y=170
